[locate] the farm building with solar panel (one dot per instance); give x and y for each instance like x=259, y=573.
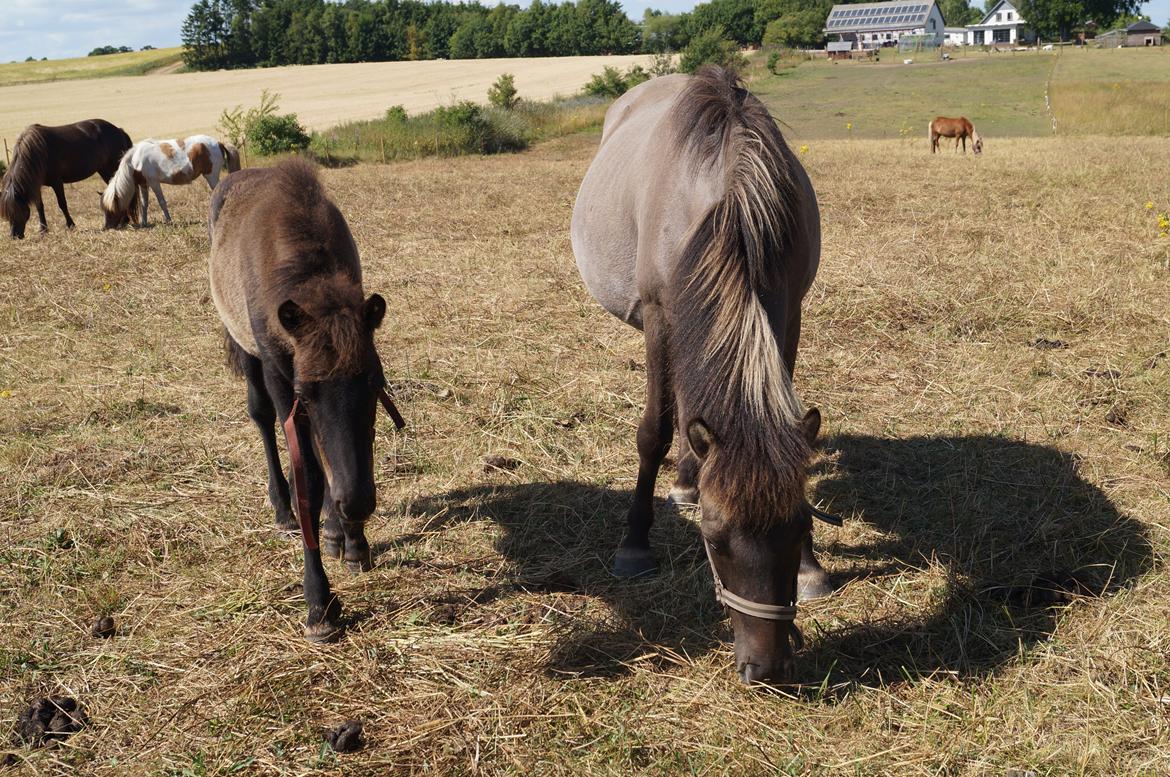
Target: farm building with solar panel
x=877, y=25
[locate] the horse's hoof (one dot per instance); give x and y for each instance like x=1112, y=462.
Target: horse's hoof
x=812, y=586
x=362, y=563
x=322, y=633
x=634, y=562
x=681, y=496
x=333, y=547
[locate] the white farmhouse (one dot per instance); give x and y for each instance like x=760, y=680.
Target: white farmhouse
x=873, y=25
x=955, y=36
x=1002, y=26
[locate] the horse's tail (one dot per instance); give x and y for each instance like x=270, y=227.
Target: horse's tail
x=731, y=255
x=22, y=182
x=121, y=189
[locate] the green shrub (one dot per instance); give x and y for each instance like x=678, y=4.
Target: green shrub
x=235, y=123
x=711, y=47
x=611, y=82
x=502, y=93
x=396, y=114
x=661, y=64
x=270, y=135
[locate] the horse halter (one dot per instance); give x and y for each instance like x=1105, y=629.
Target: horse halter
x=298, y=461
x=768, y=612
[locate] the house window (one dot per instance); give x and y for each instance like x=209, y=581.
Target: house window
x=999, y=17
x=1001, y=36
x=1009, y=16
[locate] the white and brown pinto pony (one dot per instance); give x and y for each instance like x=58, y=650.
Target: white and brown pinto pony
x=960, y=129
x=151, y=163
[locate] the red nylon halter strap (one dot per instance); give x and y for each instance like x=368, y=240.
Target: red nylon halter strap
x=298, y=468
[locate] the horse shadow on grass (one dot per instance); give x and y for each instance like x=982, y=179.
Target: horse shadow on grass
x=1014, y=528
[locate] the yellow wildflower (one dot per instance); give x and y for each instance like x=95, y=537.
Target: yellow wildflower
x=1149, y=205
x=5, y=394
x=804, y=148
x=848, y=125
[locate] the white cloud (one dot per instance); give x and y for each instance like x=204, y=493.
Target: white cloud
x=71, y=28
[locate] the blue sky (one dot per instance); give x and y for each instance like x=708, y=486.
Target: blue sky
x=71, y=28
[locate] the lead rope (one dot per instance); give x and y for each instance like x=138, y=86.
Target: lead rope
x=298, y=462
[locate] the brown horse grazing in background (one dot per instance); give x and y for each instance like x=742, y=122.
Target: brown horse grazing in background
x=696, y=224
x=55, y=156
x=287, y=283
x=960, y=129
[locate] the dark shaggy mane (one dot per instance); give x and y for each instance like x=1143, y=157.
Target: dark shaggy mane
x=726, y=360
x=315, y=264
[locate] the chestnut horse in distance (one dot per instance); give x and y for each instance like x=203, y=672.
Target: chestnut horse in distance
x=960, y=129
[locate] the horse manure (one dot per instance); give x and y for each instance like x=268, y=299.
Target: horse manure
x=1102, y=372
x=1044, y=344
x=48, y=720
x=1117, y=417
x=347, y=737
x=500, y=463
x=445, y=615
x=103, y=628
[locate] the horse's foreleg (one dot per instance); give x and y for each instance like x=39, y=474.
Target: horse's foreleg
x=323, y=621
x=59, y=190
x=156, y=187
x=41, y=212
x=263, y=414
x=654, y=435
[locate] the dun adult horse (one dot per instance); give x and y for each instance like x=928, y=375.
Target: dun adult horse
x=152, y=163
x=55, y=156
x=696, y=224
x=960, y=129
x=287, y=283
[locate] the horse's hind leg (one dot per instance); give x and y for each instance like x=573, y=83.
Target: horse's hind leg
x=144, y=202
x=162, y=201
x=59, y=190
x=654, y=432
x=264, y=415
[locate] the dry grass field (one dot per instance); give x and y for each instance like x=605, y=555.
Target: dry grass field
x=992, y=364
x=180, y=104
x=128, y=64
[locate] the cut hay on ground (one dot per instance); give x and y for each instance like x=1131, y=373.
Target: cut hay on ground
x=991, y=363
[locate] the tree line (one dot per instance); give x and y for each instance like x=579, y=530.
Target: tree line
x=248, y=33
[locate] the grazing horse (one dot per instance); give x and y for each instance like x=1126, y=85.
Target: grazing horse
x=960, y=129
x=55, y=156
x=696, y=224
x=155, y=162
x=287, y=283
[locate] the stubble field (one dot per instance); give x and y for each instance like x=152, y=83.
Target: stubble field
x=987, y=340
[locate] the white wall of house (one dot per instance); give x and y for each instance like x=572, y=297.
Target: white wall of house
x=1002, y=25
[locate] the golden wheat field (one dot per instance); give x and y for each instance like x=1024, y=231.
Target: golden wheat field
x=992, y=365
x=181, y=104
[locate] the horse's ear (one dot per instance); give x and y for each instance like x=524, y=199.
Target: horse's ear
x=702, y=439
x=292, y=317
x=810, y=425
x=373, y=312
